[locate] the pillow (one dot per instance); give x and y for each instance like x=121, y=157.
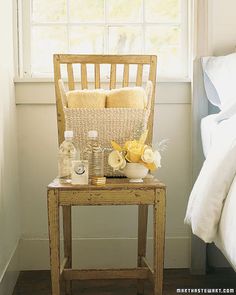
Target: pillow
x=127, y=97
x=211, y=92
x=227, y=112
x=220, y=79
x=90, y=99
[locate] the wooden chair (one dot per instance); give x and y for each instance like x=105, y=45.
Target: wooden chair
x=115, y=192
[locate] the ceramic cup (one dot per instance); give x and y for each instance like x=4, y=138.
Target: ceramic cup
x=135, y=172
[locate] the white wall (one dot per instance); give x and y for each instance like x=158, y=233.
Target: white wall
x=223, y=33
x=9, y=191
x=100, y=232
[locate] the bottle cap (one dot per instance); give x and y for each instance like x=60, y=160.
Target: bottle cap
x=98, y=180
x=68, y=134
x=92, y=134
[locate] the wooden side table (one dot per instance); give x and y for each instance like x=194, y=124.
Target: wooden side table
x=115, y=192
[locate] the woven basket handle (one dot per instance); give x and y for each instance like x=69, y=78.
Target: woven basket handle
x=63, y=93
x=149, y=90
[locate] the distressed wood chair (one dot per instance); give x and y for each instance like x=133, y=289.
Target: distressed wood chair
x=115, y=192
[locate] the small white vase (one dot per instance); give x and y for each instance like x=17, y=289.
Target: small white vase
x=135, y=172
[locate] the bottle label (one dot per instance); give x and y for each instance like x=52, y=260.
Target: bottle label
x=64, y=167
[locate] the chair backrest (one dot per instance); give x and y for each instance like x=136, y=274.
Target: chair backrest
x=113, y=60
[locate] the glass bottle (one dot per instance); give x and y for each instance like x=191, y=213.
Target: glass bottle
x=95, y=155
x=67, y=153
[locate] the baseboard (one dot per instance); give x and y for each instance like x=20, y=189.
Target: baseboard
x=104, y=253
x=10, y=274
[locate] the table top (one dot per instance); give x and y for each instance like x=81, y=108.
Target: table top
x=111, y=184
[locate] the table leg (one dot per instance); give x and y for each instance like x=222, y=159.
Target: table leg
x=142, y=240
x=159, y=240
x=54, y=240
x=67, y=232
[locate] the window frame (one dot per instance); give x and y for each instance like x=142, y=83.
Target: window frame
x=23, y=42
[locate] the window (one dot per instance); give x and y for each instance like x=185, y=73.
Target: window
x=105, y=27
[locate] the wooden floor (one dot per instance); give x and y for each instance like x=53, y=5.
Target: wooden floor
x=38, y=283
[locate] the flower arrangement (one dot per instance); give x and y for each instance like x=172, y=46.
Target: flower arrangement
x=134, y=151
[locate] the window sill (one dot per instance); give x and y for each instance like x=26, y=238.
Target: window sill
x=41, y=91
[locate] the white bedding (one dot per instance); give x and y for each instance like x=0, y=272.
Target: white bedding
x=208, y=126
x=225, y=238
x=210, y=214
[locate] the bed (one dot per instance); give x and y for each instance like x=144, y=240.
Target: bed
x=212, y=202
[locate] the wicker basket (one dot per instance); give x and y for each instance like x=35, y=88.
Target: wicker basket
x=119, y=124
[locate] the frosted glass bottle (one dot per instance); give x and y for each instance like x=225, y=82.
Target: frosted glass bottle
x=67, y=153
x=95, y=155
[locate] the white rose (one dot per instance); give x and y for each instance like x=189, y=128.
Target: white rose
x=157, y=159
x=148, y=155
x=116, y=160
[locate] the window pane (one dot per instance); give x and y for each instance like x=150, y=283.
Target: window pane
x=86, y=10
x=45, y=41
x=48, y=10
x=125, y=40
x=161, y=35
x=87, y=39
x=124, y=11
x=162, y=10
x=170, y=63
x=165, y=42
x=109, y=26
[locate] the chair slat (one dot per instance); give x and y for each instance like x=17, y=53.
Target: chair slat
x=152, y=71
x=139, y=76
x=71, y=81
x=84, y=82
x=104, y=59
x=113, y=76
x=97, y=75
x=126, y=75
x=152, y=77
x=60, y=112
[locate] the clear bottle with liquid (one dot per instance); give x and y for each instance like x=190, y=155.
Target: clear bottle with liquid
x=67, y=153
x=95, y=155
